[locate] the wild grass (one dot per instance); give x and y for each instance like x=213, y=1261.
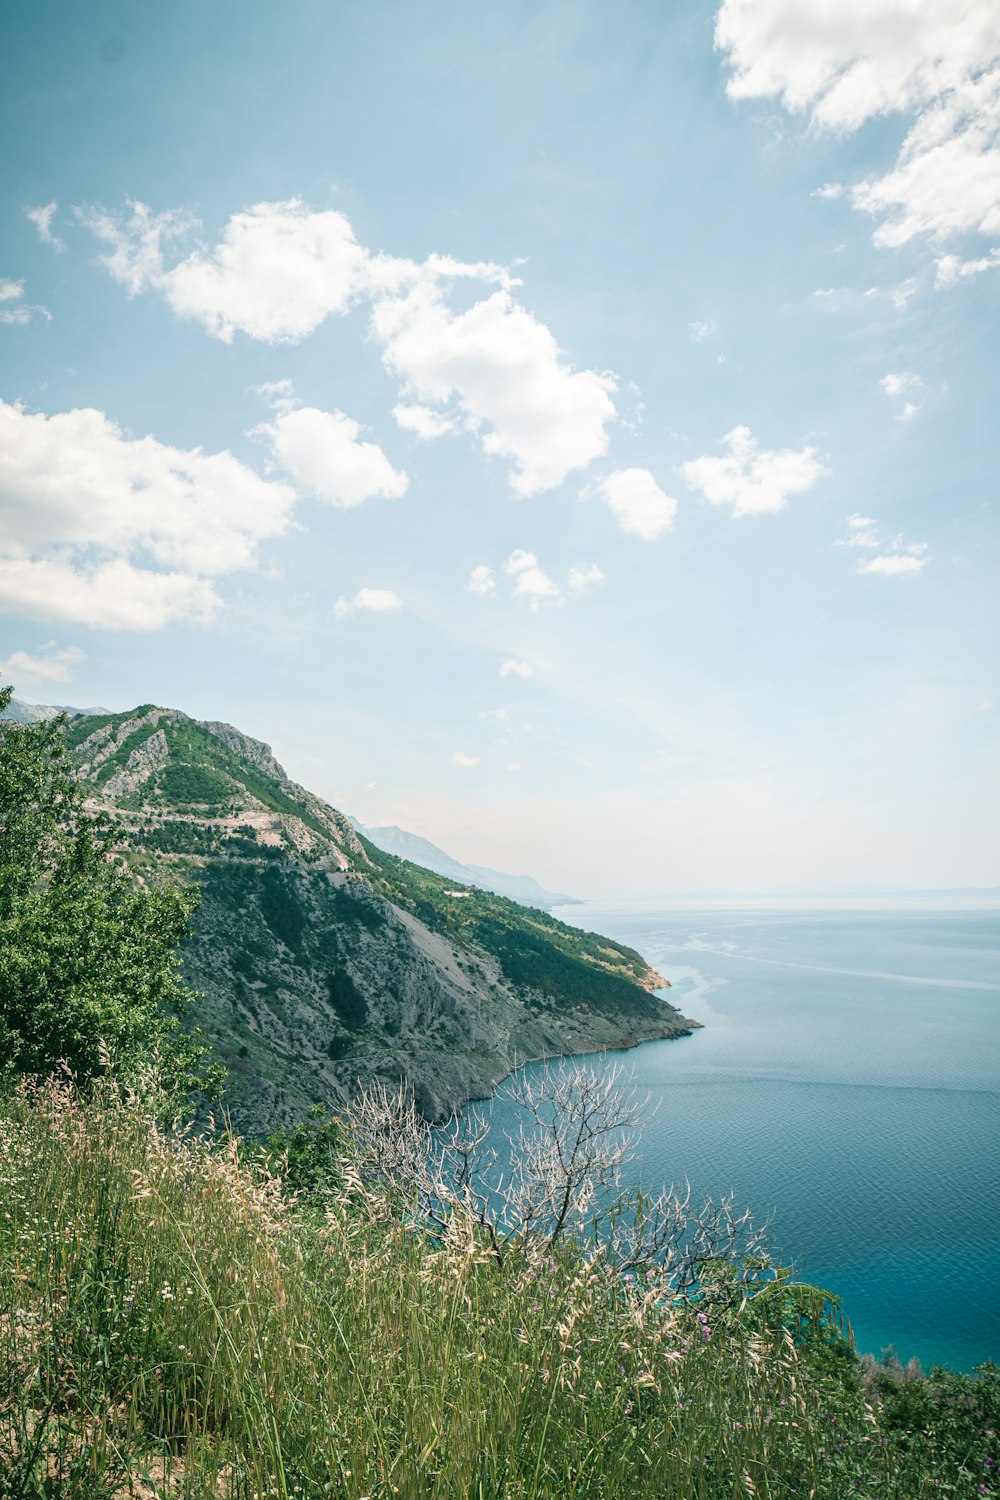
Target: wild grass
x=174, y=1322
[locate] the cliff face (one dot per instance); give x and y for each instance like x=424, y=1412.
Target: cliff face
x=320, y=961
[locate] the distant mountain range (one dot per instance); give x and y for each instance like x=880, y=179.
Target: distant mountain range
x=318, y=960
x=411, y=846
x=33, y=713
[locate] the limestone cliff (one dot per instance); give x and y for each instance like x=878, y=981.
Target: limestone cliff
x=320, y=961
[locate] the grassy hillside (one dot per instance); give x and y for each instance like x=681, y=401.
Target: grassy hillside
x=172, y=1323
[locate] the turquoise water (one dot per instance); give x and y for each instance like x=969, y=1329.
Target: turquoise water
x=847, y=1082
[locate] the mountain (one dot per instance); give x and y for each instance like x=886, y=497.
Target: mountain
x=411, y=846
x=33, y=713
x=319, y=960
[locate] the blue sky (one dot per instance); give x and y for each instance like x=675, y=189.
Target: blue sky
x=569, y=433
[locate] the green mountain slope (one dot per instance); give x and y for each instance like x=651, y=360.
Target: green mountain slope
x=320, y=960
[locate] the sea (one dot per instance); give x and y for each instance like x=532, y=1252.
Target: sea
x=846, y=1085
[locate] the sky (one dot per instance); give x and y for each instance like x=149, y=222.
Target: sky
x=566, y=431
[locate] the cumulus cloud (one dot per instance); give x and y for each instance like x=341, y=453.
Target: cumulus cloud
x=497, y=371
x=281, y=269
x=459, y=758
x=952, y=269
x=322, y=451
x=54, y=665
x=701, y=331
x=482, y=580
x=753, y=482
x=584, y=578
x=898, y=383
x=14, y=311
x=376, y=601
x=903, y=383
x=423, y=420
x=42, y=218
x=87, y=510
x=847, y=64
x=896, y=558
x=637, y=503
x=530, y=582
x=514, y=668
x=893, y=564
x=114, y=595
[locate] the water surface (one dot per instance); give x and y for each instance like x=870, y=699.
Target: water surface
x=847, y=1081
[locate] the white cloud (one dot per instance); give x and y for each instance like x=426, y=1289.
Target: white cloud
x=14, y=311
x=85, y=508
x=323, y=453
x=754, y=483
x=377, y=601
x=499, y=372
x=902, y=293
x=701, y=331
x=514, y=668
x=903, y=383
x=865, y=58
x=495, y=715
x=530, y=582
x=459, y=758
x=951, y=269
x=898, y=383
x=42, y=218
x=423, y=420
x=828, y=190
x=893, y=564
x=896, y=557
x=514, y=765
x=581, y=579
x=281, y=269
x=26, y=671
x=862, y=531
x=113, y=595
x=482, y=580
x=637, y=502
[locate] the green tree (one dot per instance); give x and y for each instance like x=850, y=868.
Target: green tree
x=89, y=968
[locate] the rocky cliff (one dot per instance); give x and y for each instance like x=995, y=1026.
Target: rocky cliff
x=320, y=961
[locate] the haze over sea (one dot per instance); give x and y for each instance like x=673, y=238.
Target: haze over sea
x=847, y=1081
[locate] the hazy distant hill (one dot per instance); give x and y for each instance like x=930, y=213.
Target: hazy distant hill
x=411, y=846
x=320, y=960
x=32, y=713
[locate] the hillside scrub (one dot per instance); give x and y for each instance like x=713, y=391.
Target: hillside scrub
x=89, y=967
x=175, y=1321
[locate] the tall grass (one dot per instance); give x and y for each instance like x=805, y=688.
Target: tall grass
x=173, y=1322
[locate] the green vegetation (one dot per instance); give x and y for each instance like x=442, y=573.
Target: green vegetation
x=201, y=769
x=567, y=966
x=312, y=1315
x=174, y=1322
x=89, y=973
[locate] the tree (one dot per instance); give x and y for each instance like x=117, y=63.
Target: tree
x=565, y=1173
x=89, y=967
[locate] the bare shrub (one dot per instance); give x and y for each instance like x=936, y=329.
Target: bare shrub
x=566, y=1172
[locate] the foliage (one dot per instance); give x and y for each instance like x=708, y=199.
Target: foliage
x=535, y=950
x=172, y=1321
x=89, y=971
x=307, y=1157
